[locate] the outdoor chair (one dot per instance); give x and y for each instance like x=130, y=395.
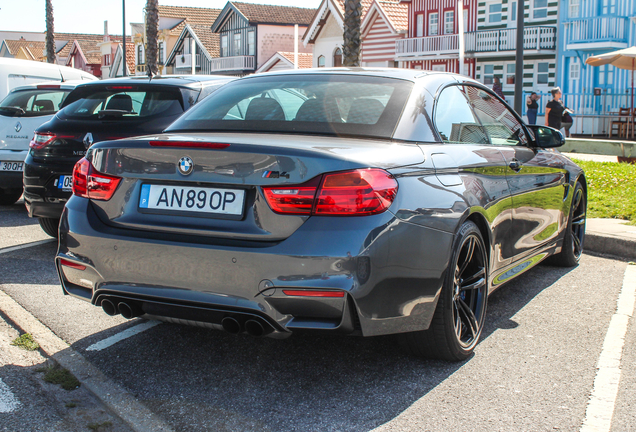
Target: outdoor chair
x=620, y=123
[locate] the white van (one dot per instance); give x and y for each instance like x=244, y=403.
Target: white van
x=16, y=73
x=21, y=112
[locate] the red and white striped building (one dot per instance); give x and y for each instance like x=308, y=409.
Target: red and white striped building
x=433, y=35
x=384, y=23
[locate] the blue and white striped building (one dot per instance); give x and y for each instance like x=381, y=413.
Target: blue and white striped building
x=587, y=28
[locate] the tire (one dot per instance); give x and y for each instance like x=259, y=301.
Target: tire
x=49, y=226
x=574, y=236
x=461, y=309
x=9, y=196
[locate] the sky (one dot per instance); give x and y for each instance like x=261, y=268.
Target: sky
x=88, y=16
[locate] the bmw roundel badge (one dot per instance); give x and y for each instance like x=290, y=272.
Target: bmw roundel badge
x=186, y=166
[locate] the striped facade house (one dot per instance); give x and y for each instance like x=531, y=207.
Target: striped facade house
x=384, y=23
x=433, y=35
x=250, y=34
x=592, y=27
x=493, y=45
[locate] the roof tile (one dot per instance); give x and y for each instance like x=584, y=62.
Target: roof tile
x=269, y=14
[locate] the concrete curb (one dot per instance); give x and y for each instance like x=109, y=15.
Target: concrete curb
x=623, y=248
x=118, y=400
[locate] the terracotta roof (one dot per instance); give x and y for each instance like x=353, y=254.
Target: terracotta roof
x=397, y=12
x=209, y=40
x=89, y=43
x=34, y=48
x=192, y=15
x=130, y=57
x=258, y=13
x=304, y=59
x=366, y=4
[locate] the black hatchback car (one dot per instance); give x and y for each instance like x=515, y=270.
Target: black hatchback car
x=100, y=111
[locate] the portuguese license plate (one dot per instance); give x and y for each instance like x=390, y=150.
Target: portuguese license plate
x=192, y=199
x=11, y=166
x=65, y=183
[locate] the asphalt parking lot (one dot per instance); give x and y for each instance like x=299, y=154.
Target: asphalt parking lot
x=535, y=369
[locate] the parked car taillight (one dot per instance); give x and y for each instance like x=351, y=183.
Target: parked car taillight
x=352, y=193
x=41, y=140
x=89, y=183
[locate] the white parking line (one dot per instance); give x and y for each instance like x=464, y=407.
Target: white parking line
x=8, y=402
x=26, y=245
x=132, y=331
x=600, y=408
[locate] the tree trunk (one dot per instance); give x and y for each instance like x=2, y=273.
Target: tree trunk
x=152, y=26
x=50, y=37
x=352, y=42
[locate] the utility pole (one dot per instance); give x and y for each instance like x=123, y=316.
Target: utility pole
x=519, y=63
x=124, y=63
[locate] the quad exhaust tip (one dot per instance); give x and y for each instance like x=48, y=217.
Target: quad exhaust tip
x=129, y=311
x=254, y=328
x=231, y=325
x=109, y=307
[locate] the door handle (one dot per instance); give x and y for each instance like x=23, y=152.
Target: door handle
x=515, y=165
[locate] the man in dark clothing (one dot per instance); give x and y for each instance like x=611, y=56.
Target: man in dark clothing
x=496, y=87
x=554, y=109
x=532, y=107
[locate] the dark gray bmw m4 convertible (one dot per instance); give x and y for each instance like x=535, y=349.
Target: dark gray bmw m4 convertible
x=354, y=201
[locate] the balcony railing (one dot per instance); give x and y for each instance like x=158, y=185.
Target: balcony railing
x=602, y=29
x=534, y=38
x=183, y=61
x=412, y=47
x=482, y=41
x=236, y=63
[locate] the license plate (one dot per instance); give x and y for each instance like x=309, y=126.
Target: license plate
x=11, y=166
x=65, y=183
x=192, y=199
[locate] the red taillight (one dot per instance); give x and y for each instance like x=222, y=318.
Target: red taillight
x=194, y=144
x=41, y=140
x=48, y=87
x=351, y=193
x=313, y=293
x=71, y=264
x=89, y=183
x=120, y=87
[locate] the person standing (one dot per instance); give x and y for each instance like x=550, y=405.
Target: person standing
x=554, y=110
x=532, y=107
x=496, y=87
x=566, y=122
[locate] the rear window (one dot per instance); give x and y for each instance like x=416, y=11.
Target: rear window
x=97, y=103
x=32, y=103
x=315, y=104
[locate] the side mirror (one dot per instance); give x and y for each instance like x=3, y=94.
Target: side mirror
x=546, y=137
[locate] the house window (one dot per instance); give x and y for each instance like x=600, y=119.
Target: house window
x=236, y=46
x=337, y=58
x=439, y=68
x=420, y=26
x=224, y=52
x=489, y=74
x=161, y=53
x=542, y=73
x=321, y=61
x=140, y=54
x=250, y=43
x=540, y=9
x=575, y=71
x=449, y=22
x=465, y=20
x=573, y=11
x=494, y=13
x=608, y=7
x=510, y=74
x=433, y=22
x=107, y=60
x=513, y=11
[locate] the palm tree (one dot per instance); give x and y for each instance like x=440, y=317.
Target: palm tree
x=152, y=25
x=352, y=19
x=50, y=37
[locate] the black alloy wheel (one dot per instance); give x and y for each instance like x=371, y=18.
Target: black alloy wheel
x=574, y=236
x=461, y=309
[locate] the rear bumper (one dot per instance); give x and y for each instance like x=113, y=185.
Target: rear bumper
x=11, y=180
x=42, y=196
x=388, y=271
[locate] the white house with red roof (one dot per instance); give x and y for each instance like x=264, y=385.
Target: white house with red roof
x=284, y=60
